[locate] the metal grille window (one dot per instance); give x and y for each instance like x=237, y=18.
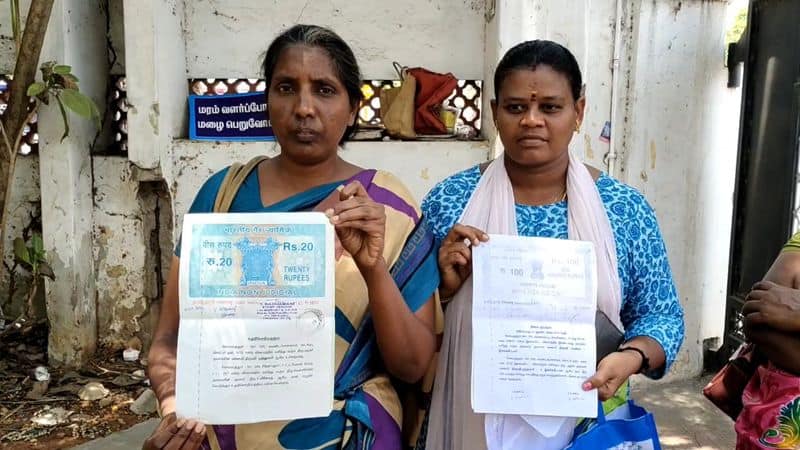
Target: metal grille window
x=30, y=135
x=218, y=86
x=735, y=321
x=119, y=120
x=119, y=116
x=466, y=97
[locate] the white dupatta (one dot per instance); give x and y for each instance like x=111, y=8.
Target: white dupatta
x=492, y=209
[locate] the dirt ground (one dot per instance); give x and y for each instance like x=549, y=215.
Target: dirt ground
x=63, y=419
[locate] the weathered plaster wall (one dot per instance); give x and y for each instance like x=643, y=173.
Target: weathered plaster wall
x=678, y=145
x=7, y=48
x=225, y=38
x=24, y=208
x=116, y=36
x=66, y=183
x=129, y=220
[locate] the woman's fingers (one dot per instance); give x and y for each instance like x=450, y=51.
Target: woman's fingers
x=196, y=437
x=352, y=189
x=466, y=233
x=751, y=306
x=166, y=429
x=160, y=438
x=455, y=253
x=348, y=204
x=179, y=438
x=361, y=212
x=764, y=286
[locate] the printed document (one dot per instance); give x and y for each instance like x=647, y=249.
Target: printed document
x=256, y=335
x=533, y=323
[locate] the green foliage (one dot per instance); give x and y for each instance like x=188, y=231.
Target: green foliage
x=36, y=89
x=737, y=29
x=60, y=84
x=31, y=255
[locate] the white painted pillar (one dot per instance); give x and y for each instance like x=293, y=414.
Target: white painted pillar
x=76, y=36
x=678, y=145
x=155, y=61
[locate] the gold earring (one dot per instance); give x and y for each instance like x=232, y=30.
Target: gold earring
x=577, y=126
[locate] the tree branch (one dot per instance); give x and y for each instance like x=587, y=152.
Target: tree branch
x=26, y=65
x=16, y=115
x=6, y=139
x=34, y=110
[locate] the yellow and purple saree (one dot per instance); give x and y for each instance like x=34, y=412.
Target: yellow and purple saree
x=367, y=413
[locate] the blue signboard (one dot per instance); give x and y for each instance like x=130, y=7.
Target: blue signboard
x=238, y=117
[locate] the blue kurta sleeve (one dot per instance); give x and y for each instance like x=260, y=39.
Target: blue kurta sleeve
x=652, y=308
x=443, y=205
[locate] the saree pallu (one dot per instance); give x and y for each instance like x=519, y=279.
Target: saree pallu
x=367, y=413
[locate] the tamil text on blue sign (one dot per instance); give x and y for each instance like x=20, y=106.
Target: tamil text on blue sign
x=239, y=117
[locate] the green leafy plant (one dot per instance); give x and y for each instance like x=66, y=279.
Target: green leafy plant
x=25, y=96
x=59, y=83
x=32, y=257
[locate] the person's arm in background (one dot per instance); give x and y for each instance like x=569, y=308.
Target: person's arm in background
x=782, y=349
x=772, y=310
x=785, y=271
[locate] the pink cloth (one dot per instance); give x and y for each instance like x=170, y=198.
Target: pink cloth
x=771, y=414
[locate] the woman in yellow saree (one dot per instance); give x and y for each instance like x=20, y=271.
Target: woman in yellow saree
x=386, y=270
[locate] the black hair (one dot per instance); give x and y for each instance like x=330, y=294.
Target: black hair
x=342, y=57
x=531, y=54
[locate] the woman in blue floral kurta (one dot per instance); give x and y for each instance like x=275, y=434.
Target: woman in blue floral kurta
x=650, y=304
x=537, y=108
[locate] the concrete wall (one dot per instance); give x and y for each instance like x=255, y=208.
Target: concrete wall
x=75, y=36
x=23, y=210
x=132, y=230
x=224, y=38
x=7, y=48
x=678, y=145
x=156, y=60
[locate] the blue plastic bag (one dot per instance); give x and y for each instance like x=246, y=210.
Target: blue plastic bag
x=629, y=427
